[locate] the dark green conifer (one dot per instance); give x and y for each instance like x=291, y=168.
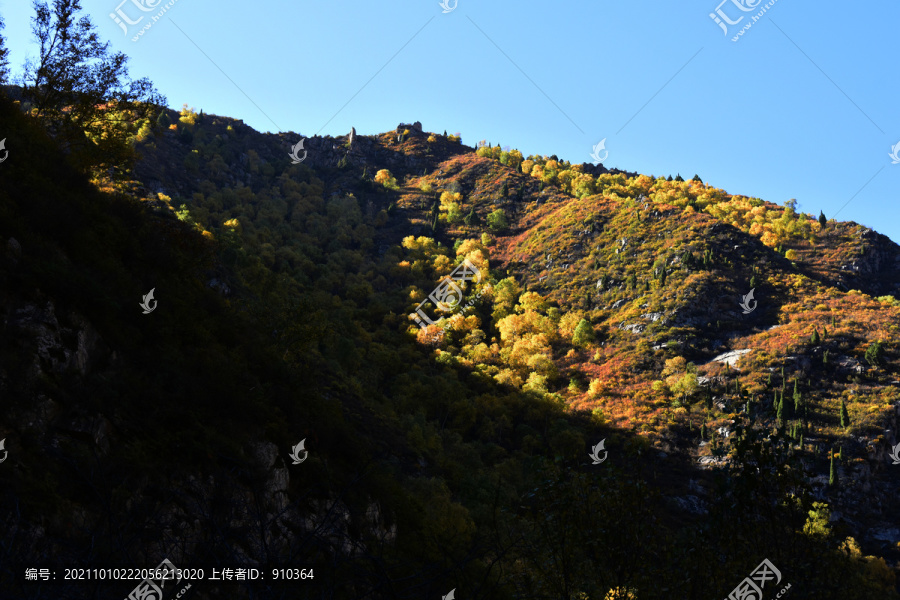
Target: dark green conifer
x=832, y=474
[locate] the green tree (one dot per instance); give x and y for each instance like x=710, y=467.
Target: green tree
x=679, y=177
x=779, y=412
x=822, y=220
x=82, y=92
x=497, y=221
x=845, y=416
x=4, y=55
x=875, y=354
x=696, y=178
x=798, y=399
x=814, y=338
x=584, y=334
x=703, y=431
x=832, y=473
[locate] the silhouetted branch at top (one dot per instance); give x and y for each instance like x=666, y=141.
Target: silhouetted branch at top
x=83, y=92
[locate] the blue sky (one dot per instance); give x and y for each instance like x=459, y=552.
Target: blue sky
x=803, y=105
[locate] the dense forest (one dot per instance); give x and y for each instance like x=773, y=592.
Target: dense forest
x=643, y=388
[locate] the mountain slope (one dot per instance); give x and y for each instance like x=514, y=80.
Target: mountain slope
x=438, y=459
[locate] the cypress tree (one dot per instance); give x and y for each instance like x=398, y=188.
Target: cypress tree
x=780, y=413
x=814, y=339
x=841, y=454
x=703, y=431
x=845, y=416
x=824, y=332
x=832, y=475
x=825, y=358
x=797, y=398
x=822, y=220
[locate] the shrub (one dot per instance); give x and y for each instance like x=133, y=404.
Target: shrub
x=497, y=221
x=188, y=115
x=385, y=178
x=584, y=334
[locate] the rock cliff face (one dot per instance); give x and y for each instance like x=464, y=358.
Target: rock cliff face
x=230, y=508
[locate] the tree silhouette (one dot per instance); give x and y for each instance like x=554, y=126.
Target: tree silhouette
x=82, y=91
x=4, y=55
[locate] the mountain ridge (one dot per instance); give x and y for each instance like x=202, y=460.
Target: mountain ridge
x=285, y=293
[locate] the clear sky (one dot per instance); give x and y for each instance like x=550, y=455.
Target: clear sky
x=804, y=105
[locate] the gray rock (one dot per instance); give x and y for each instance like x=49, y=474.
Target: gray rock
x=13, y=250
x=885, y=534
x=265, y=454
x=691, y=504
x=731, y=358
